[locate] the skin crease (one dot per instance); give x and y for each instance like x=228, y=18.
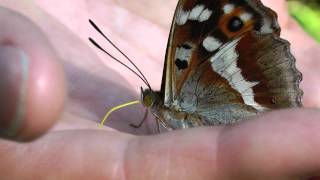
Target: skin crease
x=276, y=145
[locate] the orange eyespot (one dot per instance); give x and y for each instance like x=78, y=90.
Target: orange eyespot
x=236, y=22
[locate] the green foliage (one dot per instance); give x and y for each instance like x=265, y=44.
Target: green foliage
x=307, y=13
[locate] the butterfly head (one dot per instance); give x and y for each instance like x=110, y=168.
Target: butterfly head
x=148, y=97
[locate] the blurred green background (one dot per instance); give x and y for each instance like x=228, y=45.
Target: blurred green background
x=307, y=13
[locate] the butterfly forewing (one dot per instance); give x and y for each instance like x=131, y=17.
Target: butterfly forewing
x=225, y=62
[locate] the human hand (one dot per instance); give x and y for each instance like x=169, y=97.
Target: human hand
x=279, y=145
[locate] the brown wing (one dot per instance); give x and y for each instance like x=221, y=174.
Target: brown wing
x=225, y=61
x=194, y=22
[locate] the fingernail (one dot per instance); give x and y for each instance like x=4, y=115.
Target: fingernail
x=14, y=67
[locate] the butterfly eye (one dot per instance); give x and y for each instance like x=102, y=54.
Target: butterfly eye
x=235, y=24
x=148, y=100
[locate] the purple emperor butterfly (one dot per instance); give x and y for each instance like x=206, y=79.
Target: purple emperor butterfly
x=225, y=62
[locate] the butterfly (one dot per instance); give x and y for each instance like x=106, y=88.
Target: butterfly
x=225, y=62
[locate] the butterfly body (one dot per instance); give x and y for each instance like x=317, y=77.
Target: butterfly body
x=225, y=63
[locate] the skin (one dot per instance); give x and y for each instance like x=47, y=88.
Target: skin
x=276, y=145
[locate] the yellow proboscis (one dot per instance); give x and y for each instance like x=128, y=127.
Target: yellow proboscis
x=116, y=108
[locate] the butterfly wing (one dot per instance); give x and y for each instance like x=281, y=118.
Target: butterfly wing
x=225, y=61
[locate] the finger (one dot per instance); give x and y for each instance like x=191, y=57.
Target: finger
x=77, y=154
x=270, y=147
x=88, y=154
x=32, y=84
x=280, y=145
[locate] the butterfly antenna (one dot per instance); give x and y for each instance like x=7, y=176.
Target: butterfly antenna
x=141, y=74
x=117, y=60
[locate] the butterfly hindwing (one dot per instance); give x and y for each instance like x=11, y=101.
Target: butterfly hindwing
x=273, y=69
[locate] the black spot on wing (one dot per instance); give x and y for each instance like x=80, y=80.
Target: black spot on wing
x=186, y=46
x=181, y=64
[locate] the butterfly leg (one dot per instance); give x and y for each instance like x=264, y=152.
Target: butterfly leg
x=162, y=126
x=142, y=121
x=158, y=125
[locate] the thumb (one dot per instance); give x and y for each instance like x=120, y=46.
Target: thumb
x=28, y=102
x=31, y=81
